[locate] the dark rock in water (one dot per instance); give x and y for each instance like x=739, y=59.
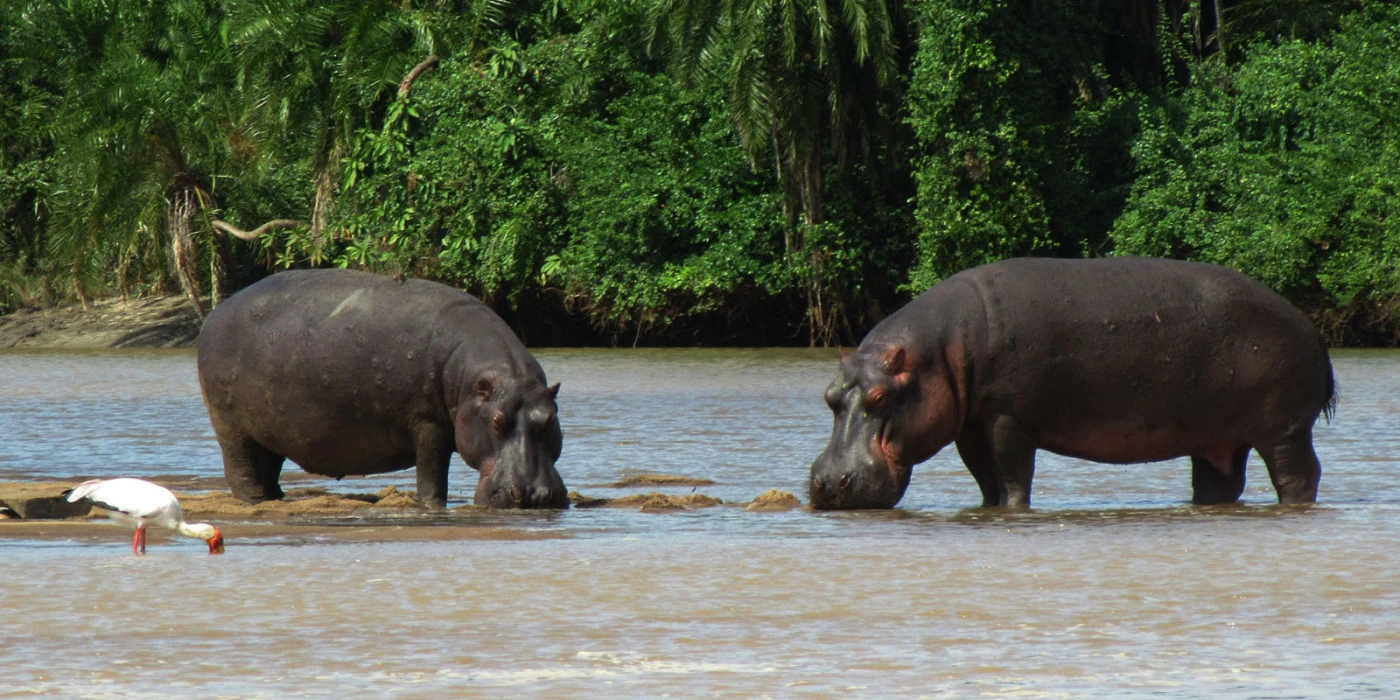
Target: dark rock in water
x=41, y=501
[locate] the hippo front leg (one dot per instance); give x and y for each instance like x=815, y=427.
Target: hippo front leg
x=980, y=459
x=433, y=451
x=1214, y=483
x=1015, y=459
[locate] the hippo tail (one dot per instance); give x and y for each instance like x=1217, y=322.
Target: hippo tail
x=1329, y=407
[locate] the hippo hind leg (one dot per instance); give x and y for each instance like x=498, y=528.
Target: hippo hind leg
x=1294, y=469
x=252, y=471
x=1218, y=478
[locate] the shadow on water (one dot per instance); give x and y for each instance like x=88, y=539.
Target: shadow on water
x=1031, y=517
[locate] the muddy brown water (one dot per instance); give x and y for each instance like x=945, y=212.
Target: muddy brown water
x=1112, y=586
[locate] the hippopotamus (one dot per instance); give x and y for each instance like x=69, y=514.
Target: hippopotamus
x=351, y=373
x=1117, y=360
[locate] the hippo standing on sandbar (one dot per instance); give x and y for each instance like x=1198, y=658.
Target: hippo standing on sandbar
x=1118, y=360
x=349, y=373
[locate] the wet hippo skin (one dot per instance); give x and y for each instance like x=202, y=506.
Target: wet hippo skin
x=1118, y=360
x=349, y=373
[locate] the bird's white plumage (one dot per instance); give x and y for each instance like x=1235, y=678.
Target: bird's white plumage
x=132, y=500
x=143, y=504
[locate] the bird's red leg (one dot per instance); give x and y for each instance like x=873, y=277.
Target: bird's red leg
x=136, y=542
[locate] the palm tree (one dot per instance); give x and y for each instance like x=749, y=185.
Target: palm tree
x=142, y=105
x=804, y=79
x=312, y=73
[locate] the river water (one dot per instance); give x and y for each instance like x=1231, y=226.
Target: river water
x=1112, y=586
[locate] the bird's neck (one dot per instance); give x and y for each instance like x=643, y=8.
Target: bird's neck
x=199, y=531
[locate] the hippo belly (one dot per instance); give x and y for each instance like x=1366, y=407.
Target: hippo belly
x=325, y=438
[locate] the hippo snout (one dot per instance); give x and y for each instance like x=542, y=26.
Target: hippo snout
x=546, y=497
x=825, y=493
x=858, y=487
x=540, y=495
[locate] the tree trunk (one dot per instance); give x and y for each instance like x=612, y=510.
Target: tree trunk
x=321, y=208
x=223, y=267
x=824, y=312
x=179, y=221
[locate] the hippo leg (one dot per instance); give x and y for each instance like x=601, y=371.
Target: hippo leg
x=981, y=460
x=433, y=451
x=1015, y=457
x=1294, y=469
x=1211, y=486
x=251, y=470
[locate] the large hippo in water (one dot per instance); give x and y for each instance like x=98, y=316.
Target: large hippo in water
x=1119, y=360
x=350, y=373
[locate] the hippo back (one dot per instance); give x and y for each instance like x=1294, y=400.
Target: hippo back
x=1101, y=340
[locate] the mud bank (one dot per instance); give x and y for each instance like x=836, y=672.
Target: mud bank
x=44, y=501
x=153, y=322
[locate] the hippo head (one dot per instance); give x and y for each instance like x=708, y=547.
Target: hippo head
x=508, y=429
x=888, y=418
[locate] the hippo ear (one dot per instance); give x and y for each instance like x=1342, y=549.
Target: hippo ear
x=845, y=353
x=894, y=361
x=484, y=387
x=554, y=391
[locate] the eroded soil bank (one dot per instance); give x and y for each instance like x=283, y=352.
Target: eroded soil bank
x=152, y=322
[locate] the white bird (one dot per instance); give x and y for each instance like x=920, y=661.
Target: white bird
x=142, y=504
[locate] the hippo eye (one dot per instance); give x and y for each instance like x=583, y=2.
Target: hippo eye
x=876, y=400
x=498, y=423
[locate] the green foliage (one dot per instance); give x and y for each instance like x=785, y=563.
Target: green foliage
x=1022, y=133
x=573, y=165
x=1283, y=168
x=789, y=167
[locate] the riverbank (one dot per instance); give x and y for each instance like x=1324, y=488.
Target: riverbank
x=150, y=322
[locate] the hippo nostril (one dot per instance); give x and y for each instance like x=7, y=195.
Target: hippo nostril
x=844, y=482
x=515, y=495
x=817, y=483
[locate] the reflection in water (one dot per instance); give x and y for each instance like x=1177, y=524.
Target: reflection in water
x=1112, y=586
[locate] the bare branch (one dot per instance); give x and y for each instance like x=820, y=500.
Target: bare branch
x=239, y=233
x=407, y=83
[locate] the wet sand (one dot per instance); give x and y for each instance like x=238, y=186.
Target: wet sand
x=317, y=513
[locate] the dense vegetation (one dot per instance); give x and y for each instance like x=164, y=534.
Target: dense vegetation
x=683, y=171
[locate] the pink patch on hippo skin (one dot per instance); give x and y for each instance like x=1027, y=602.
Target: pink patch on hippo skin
x=487, y=468
x=891, y=454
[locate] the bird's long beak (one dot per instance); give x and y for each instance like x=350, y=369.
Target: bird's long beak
x=216, y=543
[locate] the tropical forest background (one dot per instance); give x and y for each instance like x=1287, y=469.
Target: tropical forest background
x=697, y=171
